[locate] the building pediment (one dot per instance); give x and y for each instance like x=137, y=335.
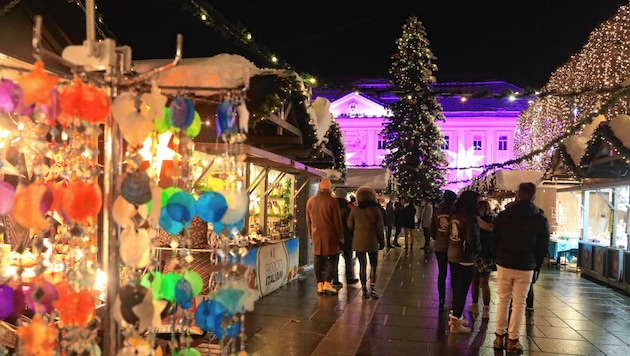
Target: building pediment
x=357, y=105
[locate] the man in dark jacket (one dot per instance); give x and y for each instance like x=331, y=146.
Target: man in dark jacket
x=346, y=247
x=519, y=243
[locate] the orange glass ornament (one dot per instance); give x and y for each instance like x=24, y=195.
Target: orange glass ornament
x=70, y=98
x=75, y=308
x=31, y=204
x=57, y=189
x=38, y=338
x=95, y=105
x=37, y=85
x=81, y=200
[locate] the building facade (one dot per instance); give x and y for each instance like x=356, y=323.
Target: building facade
x=479, y=128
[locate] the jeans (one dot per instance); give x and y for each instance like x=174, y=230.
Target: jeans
x=461, y=276
x=349, y=262
x=442, y=261
x=513, y=284
x=325, y=267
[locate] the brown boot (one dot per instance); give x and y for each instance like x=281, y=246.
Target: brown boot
x=320, y=287
x=329, y=289
x=499, y=342
x=514, y=346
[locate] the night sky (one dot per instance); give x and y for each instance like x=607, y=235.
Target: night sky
x=521, y=42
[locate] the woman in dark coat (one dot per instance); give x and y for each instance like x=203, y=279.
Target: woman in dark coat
x=408, y=222
x=368, y=236
x=440, y=233
x=463, y=249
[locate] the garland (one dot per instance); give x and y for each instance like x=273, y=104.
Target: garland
x=337, y=146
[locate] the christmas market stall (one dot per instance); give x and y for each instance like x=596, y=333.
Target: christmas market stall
x=598, y=211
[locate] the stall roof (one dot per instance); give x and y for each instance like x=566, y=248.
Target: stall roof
x=262, y=158
x=376, y=178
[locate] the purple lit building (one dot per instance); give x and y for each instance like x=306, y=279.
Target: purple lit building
x=479, y=128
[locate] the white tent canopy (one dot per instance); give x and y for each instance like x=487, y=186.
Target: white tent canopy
x=376, y=178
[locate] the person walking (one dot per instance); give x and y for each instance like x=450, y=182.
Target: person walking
x=391, y=217
x=398, y=208
x=323, y=220
x=408, y=222
x=520, y=238
x=425, y=222
x=464, y=247
x=440, y=233
x=484, y=263
x=346, y=247
x=368, y=237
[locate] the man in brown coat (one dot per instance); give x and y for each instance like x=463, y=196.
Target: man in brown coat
x=323, y=220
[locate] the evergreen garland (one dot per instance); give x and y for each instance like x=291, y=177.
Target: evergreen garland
x=337, y=145
x=416, y=158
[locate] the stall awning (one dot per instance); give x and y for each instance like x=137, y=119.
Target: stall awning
x=504, y=181
x=262, y=158
x=376, y=178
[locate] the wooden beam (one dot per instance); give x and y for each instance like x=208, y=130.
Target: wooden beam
x=278, y=121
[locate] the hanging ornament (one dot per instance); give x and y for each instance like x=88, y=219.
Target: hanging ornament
x=94, y=106
x=161, y=124
x=6, y=301
x=75, y=308
x=136, y=187
x=169, y=281
x=135, y=247
x=37, y=85
x=225, y=118
x=31, y=204
x=243, y=116
x=184, y=294
x=41, y=297
x=195, y=127
x=8, y=98
x=211, y=206
x=153, y=103
x=7, y=192
x=123, y=212
x=237, y=202
x=38, y=338
x=181, y=207
x=82, y=200
x=70, y=98
x=181, y=112
x=153, y=281
x=195, y=280
x=129, y=296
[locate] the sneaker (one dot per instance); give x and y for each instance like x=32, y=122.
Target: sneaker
x=514, y=346
x=474, y=308
x=499, y=342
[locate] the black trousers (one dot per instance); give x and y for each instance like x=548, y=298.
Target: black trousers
x=325, y=267
x=362, y=257
x=461, y=277
x=442, y=261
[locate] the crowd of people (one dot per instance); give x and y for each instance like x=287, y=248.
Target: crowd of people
x=468, y=239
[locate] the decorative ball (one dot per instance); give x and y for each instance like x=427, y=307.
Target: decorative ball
x=6, y=301
x=76, y=308
x=184, y=294
x=7, y=192
x=41, y=297
x=195, y=280
x=123, y=211
x=169, y=282
x=181, y=207
x=181, y=112
x=153, y=280
x=94, y=105
x=238, y=203
x=30, y=204
x=211, y=206
x=169, y=225
x=195, y=127
x=82, y=200
x=130, y=296
x=135, y=248
x=136, y=187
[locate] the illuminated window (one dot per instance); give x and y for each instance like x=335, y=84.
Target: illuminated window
x=446, y=143
x=503, y=143
x=477, y=142
x=381, y=144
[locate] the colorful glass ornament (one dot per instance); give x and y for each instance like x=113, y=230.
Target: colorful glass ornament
x=82, y=200
x=7, y=192
x=195, y=127
x=30, y=204
x=238, y=203
x=38, y=338
x=169, y=281
x=211, y=206
x=41, y=297
x=183, y=294
x=7, y=95
x=181, y=207
x=135, y=247
x=95, y=105
x=37, y=85
x=6, y=301
x=75, y=308
x=130, y=296
x=195, y=280
x=181, y=112
x=136, y=187
x=70, y=98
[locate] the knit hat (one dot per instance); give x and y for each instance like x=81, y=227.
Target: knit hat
x=340, y=193
x=325, y=184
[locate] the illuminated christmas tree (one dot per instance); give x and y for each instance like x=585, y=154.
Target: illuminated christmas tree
x=415, y=157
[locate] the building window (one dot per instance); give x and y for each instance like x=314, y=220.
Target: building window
x=503, y=143
x=477, y=142
x=446, y=143
x=381, y=144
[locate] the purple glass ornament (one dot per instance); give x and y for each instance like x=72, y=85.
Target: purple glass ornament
x=7, y=103
x=6, y=302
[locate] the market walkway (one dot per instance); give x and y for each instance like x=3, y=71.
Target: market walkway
x=573, y=316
